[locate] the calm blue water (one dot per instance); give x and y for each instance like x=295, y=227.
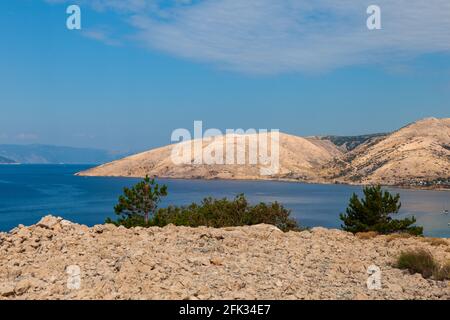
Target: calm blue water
x=28, y=192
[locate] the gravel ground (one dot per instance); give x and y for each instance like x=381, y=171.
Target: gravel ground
x=57, y=259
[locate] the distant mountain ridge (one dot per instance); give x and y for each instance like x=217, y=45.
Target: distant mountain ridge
x=48, y=154
x=416, y=155
x=348, y=143
x=4, y=160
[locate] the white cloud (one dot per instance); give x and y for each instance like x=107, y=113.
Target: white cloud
x=103, y=5
x=268, y=36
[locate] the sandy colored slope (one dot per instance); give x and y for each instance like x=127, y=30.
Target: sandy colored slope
x=300, y=159
x=416, y=155
x=417, y=152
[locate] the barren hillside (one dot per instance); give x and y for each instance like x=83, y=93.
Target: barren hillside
x=300, y=159
x=417, y=155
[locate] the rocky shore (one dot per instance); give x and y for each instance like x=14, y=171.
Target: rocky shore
x=257, y=262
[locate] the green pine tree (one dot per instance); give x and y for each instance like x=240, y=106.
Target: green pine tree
x=140, y=201
x=373, y=213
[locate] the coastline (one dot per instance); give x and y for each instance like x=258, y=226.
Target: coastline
x=318, y=182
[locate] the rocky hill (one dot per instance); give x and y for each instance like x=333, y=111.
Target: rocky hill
x=257, y=262
x=300, y=159
x=417, y=155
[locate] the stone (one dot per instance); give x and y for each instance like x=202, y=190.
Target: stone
x=49, y=222
x=361, y=297
x=23, y=286
x=216, y=261
x=66, y=223
x=395, y=288
x=6, y=289
x=98, y=228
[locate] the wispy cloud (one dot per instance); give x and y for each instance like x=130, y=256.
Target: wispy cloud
x=266, y=36
x=102, y=35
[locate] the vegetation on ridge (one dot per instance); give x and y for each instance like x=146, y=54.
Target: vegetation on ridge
x=352, y=142
x=138, y=207
x=366, y=217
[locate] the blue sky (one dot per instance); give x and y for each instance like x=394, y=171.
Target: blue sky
x=139, y=69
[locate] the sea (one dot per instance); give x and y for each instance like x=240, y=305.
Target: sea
x=29, y=192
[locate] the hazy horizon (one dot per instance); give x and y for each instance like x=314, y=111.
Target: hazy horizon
x=120, y=151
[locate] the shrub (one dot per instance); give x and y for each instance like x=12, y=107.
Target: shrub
x=367, y=235
x=422, y=261
x=217, y=213
x=443, y=272
x=373, y=213
x=401, y=235
x=436, y=242
x=225, y=213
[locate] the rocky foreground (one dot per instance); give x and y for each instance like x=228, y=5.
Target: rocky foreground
x=257, y=262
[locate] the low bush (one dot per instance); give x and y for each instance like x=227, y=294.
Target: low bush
x=435, y=242
x=422, y=261
x=216, y=213
x=443, y=272
x=367, y=235
x=400, y=235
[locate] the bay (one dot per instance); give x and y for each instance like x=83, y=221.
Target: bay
x=28, y=192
